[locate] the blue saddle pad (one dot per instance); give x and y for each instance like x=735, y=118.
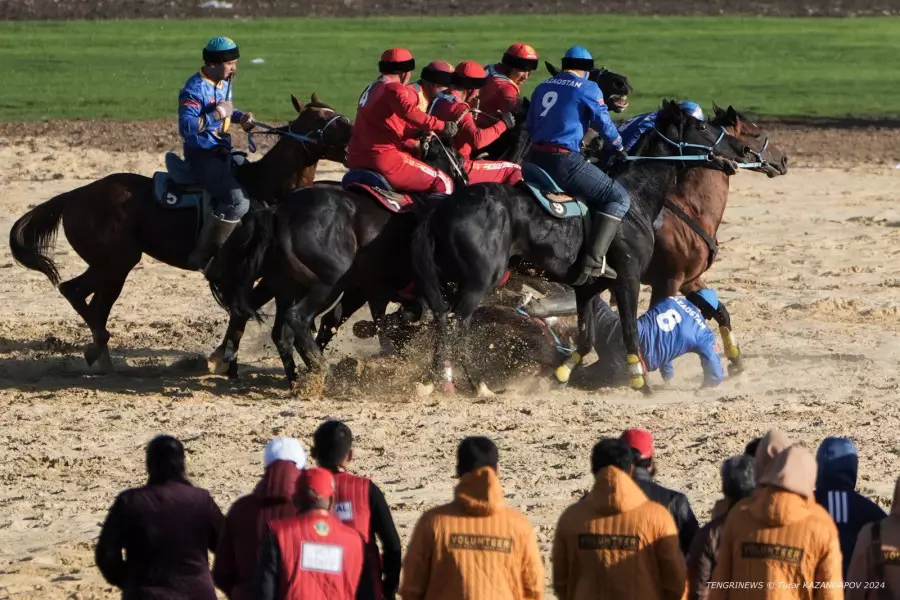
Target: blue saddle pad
x=174, y=195
x=549, y=195
x=365, y=177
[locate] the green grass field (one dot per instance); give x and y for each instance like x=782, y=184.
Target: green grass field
x=133, y=70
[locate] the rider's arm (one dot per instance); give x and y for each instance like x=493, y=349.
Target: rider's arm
x=405, y=104
x=192, y=116
x=510, y=95
x=713, y=374
x=600, y=119
x=478, y=138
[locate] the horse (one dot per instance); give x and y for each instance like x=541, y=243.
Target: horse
x=113, y=221
x=319, y=243
x=686, y=243
x=471, y=239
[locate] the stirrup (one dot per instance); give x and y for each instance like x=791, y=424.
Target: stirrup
x=603, y=271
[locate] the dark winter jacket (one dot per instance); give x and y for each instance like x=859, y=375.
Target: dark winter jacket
x=676, y=503
x=838, y=465
x=239, y=550
x=165, y=530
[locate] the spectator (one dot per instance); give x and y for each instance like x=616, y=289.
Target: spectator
x=360, y=504
x=835, y=490
x=616, y=543
x=777, y=537
x=752, y=445
x=165, y=528
x=246, y=522
x=677, y=503
x=771, y=444
x=737, y=483
x=312, y=555
x=876, y=558
x=475, y=547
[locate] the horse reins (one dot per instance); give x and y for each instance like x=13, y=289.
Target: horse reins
x=303, y=139
x=450, y=157
x=708, y=157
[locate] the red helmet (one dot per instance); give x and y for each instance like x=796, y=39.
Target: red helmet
x=521, y=56
x=395, y=61
x=438, y=73
x=469, y=75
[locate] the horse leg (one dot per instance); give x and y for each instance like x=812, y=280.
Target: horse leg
x=223, y=360
x=378, y=306
x=351, y=301
x=283, y=337
x=700, y=295
x=585, y=299
x=300, y=319
x=468, y=299
x=76, y=291
x=627, y=293
x=105, y=296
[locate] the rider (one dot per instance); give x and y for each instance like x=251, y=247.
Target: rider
x=561, y=111
x=455, y=105
x=386, y=119
x=633, y=129
x=434, y=79
x=205, y=113
x=501, y=92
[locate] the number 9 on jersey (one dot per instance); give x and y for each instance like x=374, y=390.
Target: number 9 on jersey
x=547, y=101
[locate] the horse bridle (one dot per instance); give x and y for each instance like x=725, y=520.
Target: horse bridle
x=450, y=157
x=709, y=155
x=317, y=137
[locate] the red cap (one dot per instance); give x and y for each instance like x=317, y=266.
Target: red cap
x=438, y=72
x=469, y=75
x=521, y=56
x=395, y=61
x=639, y=439
x=315, y=483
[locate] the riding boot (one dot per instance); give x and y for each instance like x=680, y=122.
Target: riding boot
x=603, y=230
x=211, y=238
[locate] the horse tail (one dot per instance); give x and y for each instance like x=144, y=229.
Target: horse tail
x=238, y=264
x=33, y=236
x=425, y=265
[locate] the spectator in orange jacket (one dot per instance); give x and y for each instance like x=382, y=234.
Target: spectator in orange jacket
x=616, y=543
x=876, y=558
x=476, y=547
x=779, y=538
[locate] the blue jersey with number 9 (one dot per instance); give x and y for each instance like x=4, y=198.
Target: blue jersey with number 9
x=564, y=107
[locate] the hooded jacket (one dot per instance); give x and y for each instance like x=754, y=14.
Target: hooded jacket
x=474, y=548
x=245, y=524
x=676, y=503
x=863, y=572
x=779, y=536
x=835, y=491
x=616, y=543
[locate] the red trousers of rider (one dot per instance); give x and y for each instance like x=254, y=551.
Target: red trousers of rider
x=406, y=174
x=493, y=171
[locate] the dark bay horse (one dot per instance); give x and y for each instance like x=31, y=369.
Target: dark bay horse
x=317, y=244
x=470, y=239
x=112, y=222
x=686, y=243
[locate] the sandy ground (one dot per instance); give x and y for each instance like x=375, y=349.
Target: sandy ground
x=809, y=268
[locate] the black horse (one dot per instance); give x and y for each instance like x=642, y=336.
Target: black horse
x=470, y=240
x=317, y=245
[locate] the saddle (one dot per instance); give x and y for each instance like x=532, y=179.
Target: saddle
x=549, y=195
x=373, y=184
x=176, y=188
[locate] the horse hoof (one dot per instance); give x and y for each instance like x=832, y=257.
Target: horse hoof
x=91, y=354
x=484, y=392
x=104, y=363
x=646, y=390
x=638, y=382
x=424, y=390
x=216, y=362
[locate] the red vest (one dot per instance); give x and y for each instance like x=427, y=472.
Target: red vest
x=351, y=505
x=321, y=558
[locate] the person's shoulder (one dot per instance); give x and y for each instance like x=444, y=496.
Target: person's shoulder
x=517, y=518
x=243, y=505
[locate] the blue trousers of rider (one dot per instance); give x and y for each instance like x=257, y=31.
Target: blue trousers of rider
x=213, y=171
x=573, y=173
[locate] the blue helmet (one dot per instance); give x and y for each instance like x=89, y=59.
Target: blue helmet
x=220, y=49
x=578, y=58
x=693, y=109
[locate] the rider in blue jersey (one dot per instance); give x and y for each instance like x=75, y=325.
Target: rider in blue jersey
x=562, y=109
x=669, y=329
x=632, y=130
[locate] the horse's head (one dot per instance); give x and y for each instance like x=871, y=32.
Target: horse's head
x=683, y=135
x=774, y=161
x=615, y=87
x=440, y=154
x=329, y=130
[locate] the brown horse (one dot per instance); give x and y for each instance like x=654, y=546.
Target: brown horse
x=112, y=222
x=686, y=243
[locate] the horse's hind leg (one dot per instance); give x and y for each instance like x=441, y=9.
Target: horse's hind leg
x=627, y=291
x=351, y=301
x=300, y=319
x=719, y=312
x=468, y=299
x=283, y=337
x=224, y=358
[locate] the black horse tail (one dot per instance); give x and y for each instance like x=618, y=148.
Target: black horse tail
x=239, y=262
x=427, y=274
x=33, y=236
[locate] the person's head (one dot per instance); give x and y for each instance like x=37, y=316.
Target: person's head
x=793, y=469
x=693, y=109
x=333, y=445
x=165, y=460
x=397, y=63
x=578, y=60
x=838, y=461
x=474, y=453
x=468, y=77
x=752, y=445
x=315, y=490
x=641, y=441
x=612, y=452
x=435, y=78
x=220, y=58
x=738, y=481
x=520, y=60
x=284, y=448
x=774, y=442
